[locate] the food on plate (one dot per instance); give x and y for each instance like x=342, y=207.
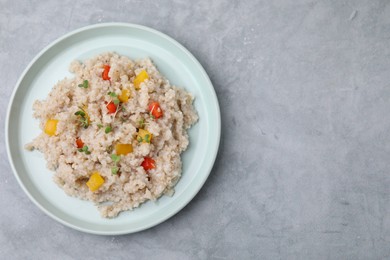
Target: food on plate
x=113, y=134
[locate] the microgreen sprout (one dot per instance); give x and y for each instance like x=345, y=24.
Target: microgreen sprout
x=83, y=117
x=84, y=150
x=141, y=123
x=84, y=84
x=108, y=129
x=115, y=158
x=114, y=96
x=146, y=138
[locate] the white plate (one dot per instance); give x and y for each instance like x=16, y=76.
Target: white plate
x=51, y=65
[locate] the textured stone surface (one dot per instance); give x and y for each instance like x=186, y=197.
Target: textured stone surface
x=303, y=168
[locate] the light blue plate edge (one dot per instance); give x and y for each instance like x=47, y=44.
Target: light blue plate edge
x=210, y=159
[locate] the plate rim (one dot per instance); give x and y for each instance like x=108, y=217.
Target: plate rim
x=217, y=122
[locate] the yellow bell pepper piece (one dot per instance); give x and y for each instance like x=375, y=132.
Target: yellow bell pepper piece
x=95, y=181
x=51, y=127
x=144, y=136
x=141, y=77
x=124, y=96
x=123, y=149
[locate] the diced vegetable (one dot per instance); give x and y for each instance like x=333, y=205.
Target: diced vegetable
x=155, y=109
x=105, y=72
x=79, y=143
x=123, y=149
x=144, y=136
x=141, y=77
x=51, y=127
x=148, y=163
x=111, y=107
x=124, y=96
x=95, y=181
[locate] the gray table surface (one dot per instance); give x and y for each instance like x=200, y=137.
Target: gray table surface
x=304, y=162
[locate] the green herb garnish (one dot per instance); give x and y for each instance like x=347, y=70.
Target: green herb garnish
x=146, y=138
x=84, y=84
x=115, y=99
x=115, y=158
x=84, y=150
x=141, y=123
x=83, y=118
x=112, y=94
x=114, y=170
x=99, y=125
x=80, y=113
x=108, y=129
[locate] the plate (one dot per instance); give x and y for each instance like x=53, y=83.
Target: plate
x=51, y=65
